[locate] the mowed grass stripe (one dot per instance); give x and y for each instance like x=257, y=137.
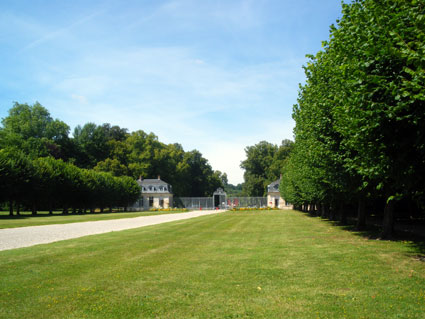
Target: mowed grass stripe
x=279, y=264
x=44, y=218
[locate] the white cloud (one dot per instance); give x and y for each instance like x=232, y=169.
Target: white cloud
x=79, y=98
x=206, y=106
x=54, y=33
x=226, y=157
x=231, y=14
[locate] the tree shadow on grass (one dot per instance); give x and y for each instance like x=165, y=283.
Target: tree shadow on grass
x=373, y=230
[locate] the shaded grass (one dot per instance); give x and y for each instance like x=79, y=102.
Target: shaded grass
x=402, y=233
x=43, y=218
x=273, y=264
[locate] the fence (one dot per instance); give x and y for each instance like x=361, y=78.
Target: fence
x=257, y=202
x=194, y=202
x=223, y=202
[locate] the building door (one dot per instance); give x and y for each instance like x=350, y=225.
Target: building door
x=219, y=198
x=276, y=202
x=216, y=200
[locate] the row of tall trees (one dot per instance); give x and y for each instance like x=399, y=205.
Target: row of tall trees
x=360, y=133
x=30, y=131
x=47, y=183
x=263, y=165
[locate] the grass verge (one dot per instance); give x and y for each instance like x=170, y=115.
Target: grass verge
x=43, y=218
x=273, y=264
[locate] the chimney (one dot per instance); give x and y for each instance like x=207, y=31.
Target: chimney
x=140, y=178
x=159, y=177
x=280, y=176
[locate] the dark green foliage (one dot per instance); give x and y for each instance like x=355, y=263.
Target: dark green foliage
x=263, y=165
x=112, y=149
x=359, y=119
x=16, y=175
x=51, y=184
x=86, y=176
x=32, y=130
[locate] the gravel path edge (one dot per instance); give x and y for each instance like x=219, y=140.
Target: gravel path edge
x=12, y=238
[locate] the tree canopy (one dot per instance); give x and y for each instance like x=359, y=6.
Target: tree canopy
x=359, y=131
x=38, y=154
x=263, y=165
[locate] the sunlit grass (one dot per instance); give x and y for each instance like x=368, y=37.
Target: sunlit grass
x=269, y=264
x=43, y=218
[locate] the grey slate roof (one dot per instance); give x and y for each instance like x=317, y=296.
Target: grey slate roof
x=273, y=187
x=155, y=186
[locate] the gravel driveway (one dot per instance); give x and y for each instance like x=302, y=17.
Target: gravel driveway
x=12, y=238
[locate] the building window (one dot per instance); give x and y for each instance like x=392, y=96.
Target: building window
x=161, y=202
x=150, y=201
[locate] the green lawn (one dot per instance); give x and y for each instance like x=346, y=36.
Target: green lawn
x=43, y=218
x=269, y=264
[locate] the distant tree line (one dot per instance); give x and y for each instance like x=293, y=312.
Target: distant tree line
x=234, y=190
x=263, y=165
x=47, y=183
x=360, y=132
x=38, y=154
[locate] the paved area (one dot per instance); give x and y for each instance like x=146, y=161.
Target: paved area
x=12, y=238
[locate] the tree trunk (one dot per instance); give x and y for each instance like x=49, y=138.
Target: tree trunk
x=323, y=211
x=361, y=214
x=101, y=210
x=18, y=208
x=332, y=212
x=10, y=208
x=50, y=209
x=110, y=209
x=34, y=209
x=342, y=214
x=388, y=224
x=319, y=209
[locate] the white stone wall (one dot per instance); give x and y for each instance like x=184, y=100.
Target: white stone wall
x=271, y=201
x=167, y=198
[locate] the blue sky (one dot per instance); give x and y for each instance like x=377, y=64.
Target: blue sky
x=216, y=76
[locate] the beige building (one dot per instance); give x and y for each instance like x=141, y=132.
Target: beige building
x=274, y=199
x=155, y=193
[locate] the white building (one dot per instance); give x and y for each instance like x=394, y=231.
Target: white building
x=274, y=198
x=155, y=193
